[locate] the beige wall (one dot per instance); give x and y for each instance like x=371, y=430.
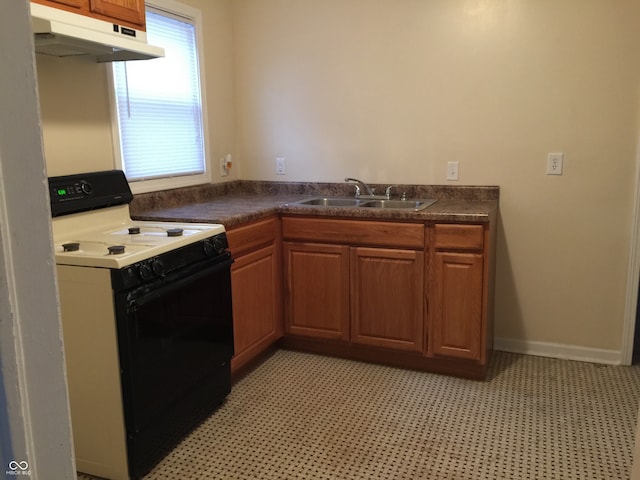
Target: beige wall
x=75, y=115
x=390, y=90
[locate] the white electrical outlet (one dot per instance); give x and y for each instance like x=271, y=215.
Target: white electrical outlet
x=281, y=167
x=452, y=170
x=554, y=163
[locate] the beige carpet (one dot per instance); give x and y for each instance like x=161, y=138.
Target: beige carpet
x=303, y=416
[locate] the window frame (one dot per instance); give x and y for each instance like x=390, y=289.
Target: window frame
x=141, y=186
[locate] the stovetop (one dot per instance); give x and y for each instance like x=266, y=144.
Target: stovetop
x=89, y=238
x=92, y=226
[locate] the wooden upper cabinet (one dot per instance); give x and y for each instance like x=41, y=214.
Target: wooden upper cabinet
x=130, y=13
x=71, y=3
x=125, y=10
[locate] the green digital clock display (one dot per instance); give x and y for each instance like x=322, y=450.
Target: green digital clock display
x=62, y=192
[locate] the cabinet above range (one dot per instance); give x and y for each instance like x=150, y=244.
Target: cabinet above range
x=105, y=30
x=128, y=12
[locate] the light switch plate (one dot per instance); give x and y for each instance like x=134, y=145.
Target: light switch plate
x=452, y=170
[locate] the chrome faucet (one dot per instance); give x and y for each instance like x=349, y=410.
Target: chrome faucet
x=387, y=192
x=371, y=192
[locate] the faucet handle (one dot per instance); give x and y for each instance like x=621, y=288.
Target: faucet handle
x=355, y=182
x=387, y=192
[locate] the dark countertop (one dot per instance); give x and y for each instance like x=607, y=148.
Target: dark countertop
x=237, y=203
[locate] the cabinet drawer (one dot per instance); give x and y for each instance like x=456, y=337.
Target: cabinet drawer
x=251, y=236
x=458, y=236
x=354, y=232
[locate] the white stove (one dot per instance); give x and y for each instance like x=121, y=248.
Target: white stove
x=147, y=323
x=109, y=238
x=92, y=226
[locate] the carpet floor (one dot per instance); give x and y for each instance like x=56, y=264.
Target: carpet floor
x=304, y=416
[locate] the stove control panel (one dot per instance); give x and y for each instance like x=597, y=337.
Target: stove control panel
x=79, y=189
x=87, y=191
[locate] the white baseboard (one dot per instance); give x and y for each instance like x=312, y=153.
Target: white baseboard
x=557, y=350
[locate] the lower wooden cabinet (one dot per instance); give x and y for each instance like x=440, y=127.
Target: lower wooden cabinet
x=461, y=291
x=316, y=290
x=404, y=294
x=370, y=296
x=256, y=289
x=456, y=321
x=338, y=290
x=387, y=291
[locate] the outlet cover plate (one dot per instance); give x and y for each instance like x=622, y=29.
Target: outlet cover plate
x=555, y=163
x=452, y=170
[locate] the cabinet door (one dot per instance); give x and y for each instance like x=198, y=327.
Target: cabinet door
x=316, y=290
x=125, y=10
x=456, y=320
x=255, y=286
x=387, y=293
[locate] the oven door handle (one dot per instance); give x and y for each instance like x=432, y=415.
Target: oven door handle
x=152, y=291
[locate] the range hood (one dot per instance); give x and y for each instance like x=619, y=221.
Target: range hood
x=65, y=34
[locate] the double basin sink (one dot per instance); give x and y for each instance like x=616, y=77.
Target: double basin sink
x=412, y=204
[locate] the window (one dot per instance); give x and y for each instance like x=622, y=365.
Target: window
x=161, y=132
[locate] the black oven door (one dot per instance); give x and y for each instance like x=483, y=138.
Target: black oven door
x=176, y=343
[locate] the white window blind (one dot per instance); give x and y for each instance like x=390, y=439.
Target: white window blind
x=159, y=104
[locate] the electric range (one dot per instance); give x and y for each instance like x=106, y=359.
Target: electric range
x=147, y=324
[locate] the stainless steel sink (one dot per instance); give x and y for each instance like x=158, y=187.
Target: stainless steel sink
x=413, y=204
x=401, y=204
x=332, y=202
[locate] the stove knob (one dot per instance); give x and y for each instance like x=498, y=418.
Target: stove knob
x=218, y=244
x=146, y=272
x=209, y=248
x=158, y=267
x=86, y=187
